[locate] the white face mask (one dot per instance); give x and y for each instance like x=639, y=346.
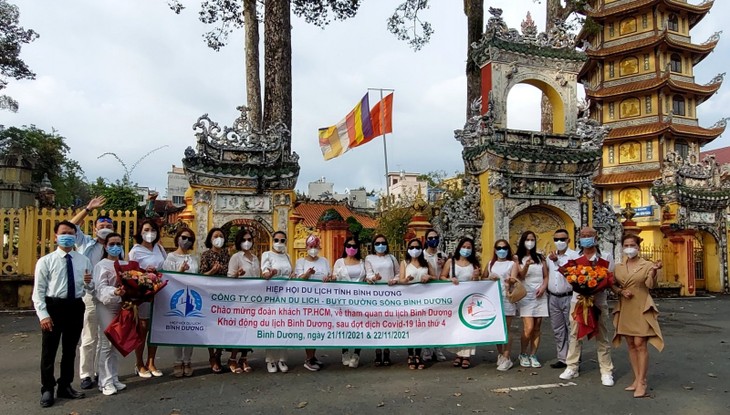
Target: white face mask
x=414, y=252
x=103, y=232
x=313, y=252
x=218, y=242
x=279, y=247
x=529, y=244
x=631, y=252
x=149, y=237
x=561, y=245
x=246, y=245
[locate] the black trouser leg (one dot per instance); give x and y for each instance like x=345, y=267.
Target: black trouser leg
x=49, y=347
x=73, y=325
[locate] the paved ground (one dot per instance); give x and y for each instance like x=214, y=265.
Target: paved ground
x=690, y=376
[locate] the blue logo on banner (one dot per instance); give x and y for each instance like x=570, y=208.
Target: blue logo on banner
x=186, y=303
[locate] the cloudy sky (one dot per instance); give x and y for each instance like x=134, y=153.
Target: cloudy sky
x=129, y=76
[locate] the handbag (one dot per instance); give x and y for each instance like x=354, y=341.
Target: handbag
x=516, y=292
x=122, y=331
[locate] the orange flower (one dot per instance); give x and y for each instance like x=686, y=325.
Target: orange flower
x=592, y=283
x=581, y=279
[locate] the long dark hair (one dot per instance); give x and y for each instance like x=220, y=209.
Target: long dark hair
x=471, y=258
x=239, y=238
x=522, y=250
x=421, y=259
x=113, y=235
x=495, y=258
x=357, y=242
x=209, y=238
x=154, y=225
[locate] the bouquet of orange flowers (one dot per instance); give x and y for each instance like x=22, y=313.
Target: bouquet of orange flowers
x=587, y=280
x=139, y=286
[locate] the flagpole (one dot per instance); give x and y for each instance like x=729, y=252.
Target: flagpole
x=385, y=148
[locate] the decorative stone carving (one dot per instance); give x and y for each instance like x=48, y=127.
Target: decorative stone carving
x=716, y=80
x=715, y=37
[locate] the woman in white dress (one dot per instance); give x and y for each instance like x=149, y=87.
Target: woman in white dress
x=243, y=264
x=381, y=268
x=534, y=272
x=108, y=300
x=414, y=270
x=503, y=267
x=463, y=266
x=183, y=260
x=350, y=268
x=276, y=264
x=150, y=256
x=313, y=268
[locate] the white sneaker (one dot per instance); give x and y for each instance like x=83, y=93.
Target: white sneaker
x=109, y=389
x=534, y=362
x=500, y=360
x=505, y=365
x=524, y=360
x=283, y=368
x=346, y=359
x=354, y=361
x=607, y=380
x=271, y=367
x=569, y=374
x=440, y=355
x=119, y=385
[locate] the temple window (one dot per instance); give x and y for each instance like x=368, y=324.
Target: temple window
x=646, y=62
x=629, y=66
x=647, y=100
x=629, y=152
x=681, y=148
x=630, y=107
x=627, y=26
x=675, y=63
x=673, y=23
x=678, y=105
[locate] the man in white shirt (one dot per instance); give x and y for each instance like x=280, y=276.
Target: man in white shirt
x=436, y=258
x=92, y=248
x=559, y=295
x=60, y=280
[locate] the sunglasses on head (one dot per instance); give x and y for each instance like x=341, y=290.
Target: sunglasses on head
x=104, y=220
x=380, y=243
x=560, y=239
x=350, y=246
x=114, y=244
x=432, y=238
x=187, y=238
x=282, y=240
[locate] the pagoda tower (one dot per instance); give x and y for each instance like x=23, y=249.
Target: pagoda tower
x=639, y=80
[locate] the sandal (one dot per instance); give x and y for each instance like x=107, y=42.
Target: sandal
x=419, y=363
x=233, y=366
x=215, y=365
x=378, y=358
x=465, y=363
x=243, y=363
x=457, y=362
x=411, y=363
x=386, y=358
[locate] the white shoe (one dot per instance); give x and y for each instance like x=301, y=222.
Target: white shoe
x=500, y=360
x=346, y=359
x=607, y=380
x=119, y=385
x=283, y=368
x=569, y=374
x=354, y=361
x=109, y=389
x=525, y=360
x=534, y=362
x=312, y=365
x=506, y=364
x=271, y=367
x=439, y=355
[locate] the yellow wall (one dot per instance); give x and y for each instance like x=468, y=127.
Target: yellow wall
x=487, y=202
x=712, y=263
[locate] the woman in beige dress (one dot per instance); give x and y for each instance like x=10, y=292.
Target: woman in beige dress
x=635, y=315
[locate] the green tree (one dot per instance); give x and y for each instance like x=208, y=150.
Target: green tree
x=49, y=154
x=120, y=195
x=12, y=38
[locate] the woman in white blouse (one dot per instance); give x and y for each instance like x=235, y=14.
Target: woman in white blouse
x=243, y=264
x=413, y=270
x=350, y=268
x=183, y=260
x=276, y=263
x=108, y=300
x=314, y=268
x=381, y=268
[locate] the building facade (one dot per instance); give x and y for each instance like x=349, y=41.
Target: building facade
x=177, y=185
x=639, y=80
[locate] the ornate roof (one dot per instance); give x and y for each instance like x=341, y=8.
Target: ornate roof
x=695, y=11
x=627, y=178
x=312, y=211
x=700, y=50
x=656, y=128
x=703, y=92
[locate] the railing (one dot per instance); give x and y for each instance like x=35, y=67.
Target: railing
x=654, y=253
x=28, y=235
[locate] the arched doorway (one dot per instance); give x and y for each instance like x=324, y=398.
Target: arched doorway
x=556, y=102
x=261, y=237
x=542, y=220
x=706, y=262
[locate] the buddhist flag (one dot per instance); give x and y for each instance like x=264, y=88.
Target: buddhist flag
x=358, y=127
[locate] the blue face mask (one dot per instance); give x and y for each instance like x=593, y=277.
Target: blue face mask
x=501, y=253
x=465, y=252
x=115, y=250
x=432, y=243
x=381, y=248
x=66, y=241
x=588, y=242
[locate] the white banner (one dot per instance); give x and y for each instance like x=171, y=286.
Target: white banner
x=236, y=313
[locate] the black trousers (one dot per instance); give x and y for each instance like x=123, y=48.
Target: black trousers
x=68, y=320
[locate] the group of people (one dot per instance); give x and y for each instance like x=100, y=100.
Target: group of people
x=76, y=296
